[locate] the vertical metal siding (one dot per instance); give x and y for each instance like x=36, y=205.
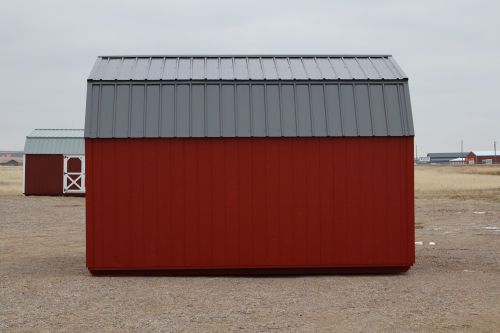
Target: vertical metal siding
x=348, y=110
x=249, y=203
x=121, y=107
x=227, y=115
x=273, y=110
x=212, y=111
x=221, y=110
x=182, y=111
x=363, y=111
x=393, y=114
x=106, y=111
x=198, y=110
x=409, y=114
x=43, y=174
x=318, y=113
x=333, y=114
x=258, y=111
x=377, y=107
x=152, y=111
x=136, y=110
x=168, y=111
x=288, y=111
x=243, y=123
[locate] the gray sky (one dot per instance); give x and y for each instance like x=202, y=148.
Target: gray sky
x=449, y=49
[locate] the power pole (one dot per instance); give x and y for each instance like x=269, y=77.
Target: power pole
x=462, y=150
x=495, y=151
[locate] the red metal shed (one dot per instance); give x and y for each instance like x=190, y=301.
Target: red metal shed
x=54, y=162
x=249, y=162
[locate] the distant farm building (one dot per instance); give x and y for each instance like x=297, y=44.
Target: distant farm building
x=10, y=163
x=458, y=161
x=422, y=160
x=444, y=158
x=6, y=157
x=483, y=157
x=54, y=162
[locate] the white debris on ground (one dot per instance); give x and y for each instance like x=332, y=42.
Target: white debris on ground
x=422, y=243
x=479, y=213
x=491, y=228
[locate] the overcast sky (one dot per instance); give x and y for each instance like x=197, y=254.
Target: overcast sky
x=449, y=49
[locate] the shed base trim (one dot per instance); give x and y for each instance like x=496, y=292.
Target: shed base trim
x=252, y=271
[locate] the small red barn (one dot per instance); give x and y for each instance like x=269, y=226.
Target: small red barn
x=483, y=157
x=249, y=162
x=54, y=162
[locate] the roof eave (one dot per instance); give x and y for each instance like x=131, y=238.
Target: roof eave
x=247, y=56
x=404, y=79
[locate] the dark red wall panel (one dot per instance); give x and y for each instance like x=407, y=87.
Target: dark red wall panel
x=74, y=165
x=44, y=175
x=249, y=203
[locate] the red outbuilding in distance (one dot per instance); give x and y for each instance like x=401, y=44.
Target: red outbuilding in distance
x=483, y=157
x=249, y=163
x=54, y=162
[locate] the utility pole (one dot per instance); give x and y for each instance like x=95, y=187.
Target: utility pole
x=495, y=151
x=462, y=150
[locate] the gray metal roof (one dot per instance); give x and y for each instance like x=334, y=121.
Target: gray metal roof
x=284, y=106
x=254, y=67
x=447, y=155
x=56, y=133
x=55, y=141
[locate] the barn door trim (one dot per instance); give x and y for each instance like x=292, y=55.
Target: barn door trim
x=71, y=179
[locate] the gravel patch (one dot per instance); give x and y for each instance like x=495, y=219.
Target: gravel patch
x=44, y=285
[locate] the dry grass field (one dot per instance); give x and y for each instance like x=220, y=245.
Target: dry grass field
x=11, y=180
x=458, y=182
x=431, y=181
x=453, y=287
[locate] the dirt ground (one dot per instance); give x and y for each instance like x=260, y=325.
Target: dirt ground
x=454, y=286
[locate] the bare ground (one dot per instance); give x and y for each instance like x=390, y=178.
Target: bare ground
x=454, y=286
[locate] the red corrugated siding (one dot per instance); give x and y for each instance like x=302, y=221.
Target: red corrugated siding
x=44, y=175
x=249, y=203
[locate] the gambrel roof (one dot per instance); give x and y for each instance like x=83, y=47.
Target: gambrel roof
x=247, y=96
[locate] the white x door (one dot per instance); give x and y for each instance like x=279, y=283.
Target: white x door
x=74, y=174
